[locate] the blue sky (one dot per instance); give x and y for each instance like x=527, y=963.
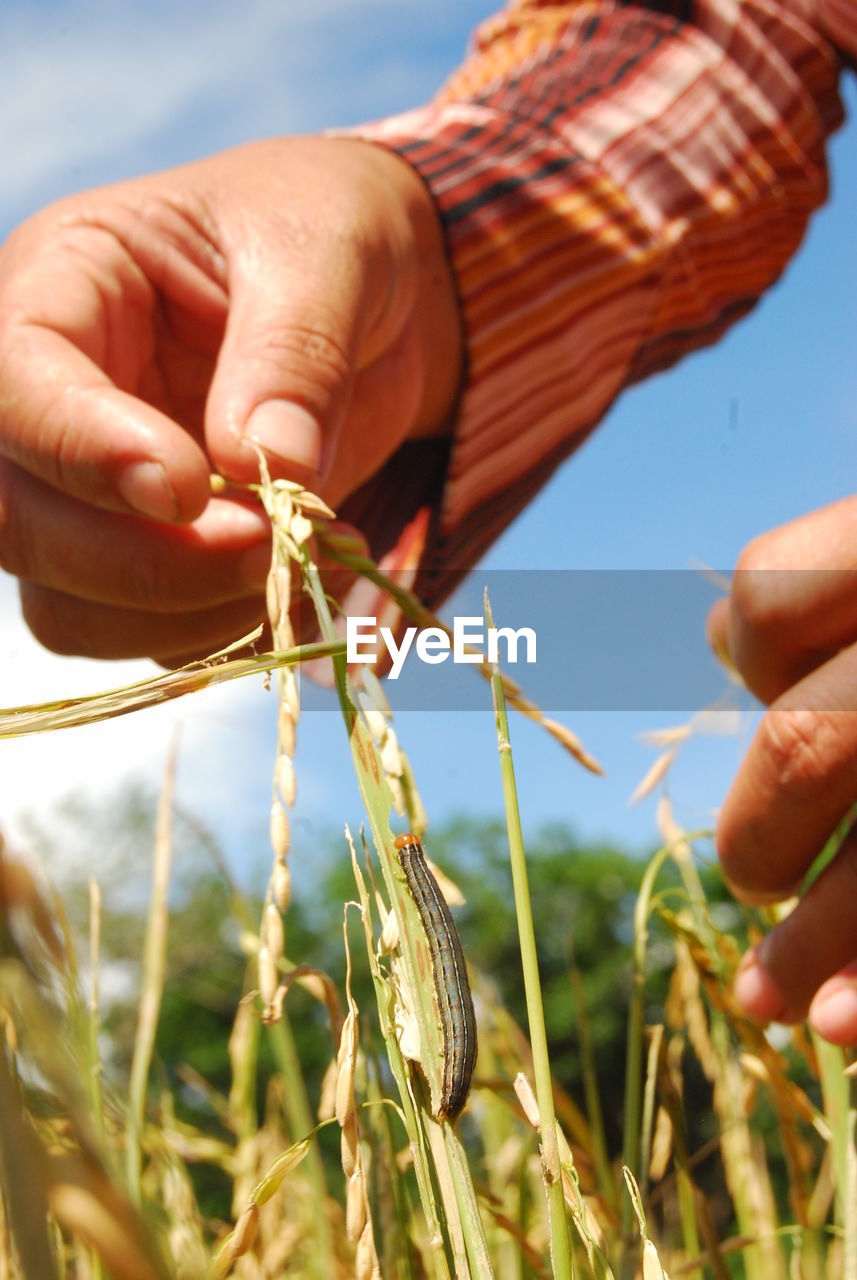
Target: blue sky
x=685, y=470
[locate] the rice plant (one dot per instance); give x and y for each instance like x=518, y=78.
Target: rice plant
x=367, y=1170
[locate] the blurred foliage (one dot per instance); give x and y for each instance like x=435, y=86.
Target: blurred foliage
x=743, y=1113
x=583, y=898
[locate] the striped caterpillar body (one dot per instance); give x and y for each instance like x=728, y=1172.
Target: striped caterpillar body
x=454, y=998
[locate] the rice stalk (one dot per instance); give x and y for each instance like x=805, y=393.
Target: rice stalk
x=239, y=1110
x=25, y=1180
x=172, y=1146
x=85, y=1202
x=652, y=1266
x=288, y=507
x=835, y=1092
x=285, y=507
x=743, y=1155
x=400, y=1228
x=849, y=1250
x=93, y=1060
x=63, y=1184
x=67, y=713
x=94, y=1063
x=656, y=1040
x=241, y=1237
x=671, y=1093
x=698, y=957
x=585, y=1223
x=461, y=1214
x=560, y=1245
x=358, y=1218
x=632, y=1117
x=7, y=1260
x=55, y=1179
x=83, y=1216
x=300, y=1121
x=151, y=981
x=506, y=1150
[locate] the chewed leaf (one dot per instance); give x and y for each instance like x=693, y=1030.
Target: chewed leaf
x=408, y=1034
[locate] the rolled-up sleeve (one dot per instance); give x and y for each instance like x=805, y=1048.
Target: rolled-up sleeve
x=617, y=183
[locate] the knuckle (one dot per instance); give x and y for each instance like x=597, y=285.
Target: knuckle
x=309, y=346
x=799, y=746
x=62, y=451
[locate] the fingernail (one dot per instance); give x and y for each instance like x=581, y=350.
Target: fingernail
x=756, y=990
x=287, y=432
x=146, y=489
x=834, y=1009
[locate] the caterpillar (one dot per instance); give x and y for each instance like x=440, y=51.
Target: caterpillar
x=449, y=973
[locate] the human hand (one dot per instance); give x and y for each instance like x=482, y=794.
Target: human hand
x=292, y=293
x=790, y=627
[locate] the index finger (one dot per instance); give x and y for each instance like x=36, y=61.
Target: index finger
x=67, y=424
x=63, y=417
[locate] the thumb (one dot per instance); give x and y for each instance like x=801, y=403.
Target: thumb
x=284, y=374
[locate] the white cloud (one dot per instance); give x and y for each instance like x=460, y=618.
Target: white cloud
x=84, y=80
x=226, y=754
x=89, y=90
x=222, y=752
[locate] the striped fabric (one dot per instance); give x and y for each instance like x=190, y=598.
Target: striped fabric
x=618, y=183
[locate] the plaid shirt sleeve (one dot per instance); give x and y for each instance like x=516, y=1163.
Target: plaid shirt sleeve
x=617, y=183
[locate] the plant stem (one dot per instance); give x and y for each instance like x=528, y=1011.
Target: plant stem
x=634, y=1052
x=560, y=1244
x=301, y=1121
x=152, y=983
x=463, y=1221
